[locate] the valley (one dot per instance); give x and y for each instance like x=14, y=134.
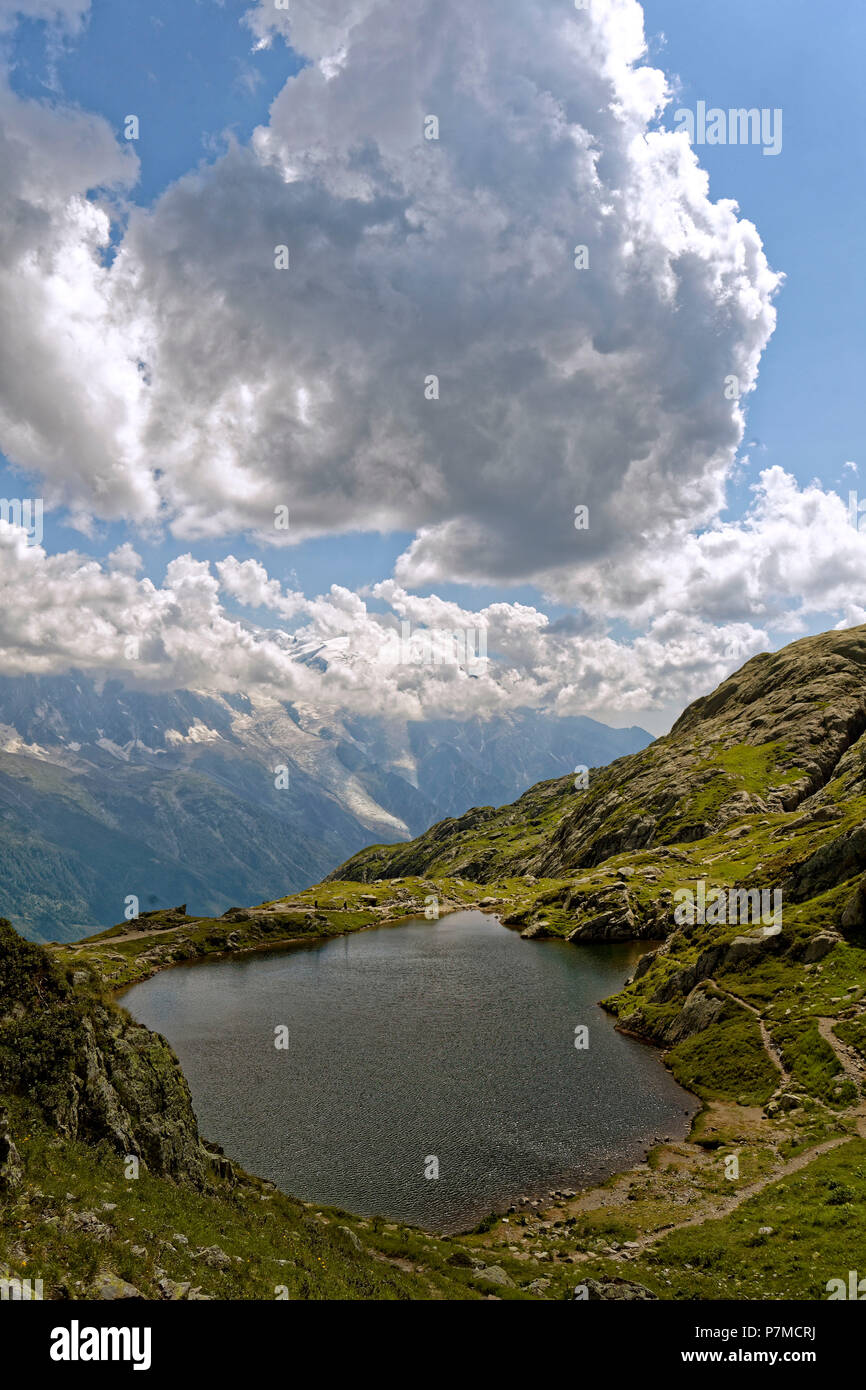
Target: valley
x=759, y=787
x=108, y=792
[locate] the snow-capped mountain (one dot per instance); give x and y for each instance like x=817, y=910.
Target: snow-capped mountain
x=107, y=792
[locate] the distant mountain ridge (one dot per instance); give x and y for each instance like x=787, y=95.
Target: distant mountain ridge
x=759, y=789
x=784, y=734
x=107, y=792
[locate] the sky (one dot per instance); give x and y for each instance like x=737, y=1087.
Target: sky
x=287, y=375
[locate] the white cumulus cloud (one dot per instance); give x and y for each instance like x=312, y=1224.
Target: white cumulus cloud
x=158, y=368
x=239, y=387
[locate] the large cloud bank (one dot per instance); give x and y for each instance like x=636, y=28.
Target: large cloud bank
x=160, y=370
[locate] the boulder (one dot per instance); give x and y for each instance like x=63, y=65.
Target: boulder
x=110, y=1287
x=746, y=948
x=854, y=911
x=172, y=1290
x=214, y=1257
x=699, y=1012
x=536, y=931
x=538, y=1286
x=819, y=946
x=495, y=1274
x=612, y=1289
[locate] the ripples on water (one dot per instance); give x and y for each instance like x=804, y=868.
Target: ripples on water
x=450, y=1039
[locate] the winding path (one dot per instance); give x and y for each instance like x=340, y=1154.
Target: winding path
x=729, y=1204
x=853, y=1068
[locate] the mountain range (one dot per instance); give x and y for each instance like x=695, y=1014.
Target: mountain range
x=758, y=794
x=759, y=789
x=108, y=793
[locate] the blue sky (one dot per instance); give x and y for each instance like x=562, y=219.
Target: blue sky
x=185, y=67
x=808, y=203
x=189, y=70
x=470, y=512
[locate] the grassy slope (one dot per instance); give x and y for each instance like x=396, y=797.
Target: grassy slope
x=272, y=1242
x=756, y=786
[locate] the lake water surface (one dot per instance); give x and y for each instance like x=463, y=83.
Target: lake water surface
x=452, y=1040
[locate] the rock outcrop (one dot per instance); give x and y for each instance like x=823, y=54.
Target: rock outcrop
x=768, y=741
x=854, y=913
x=93, y=1072
x=612, y=1289
x=10, y=1159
